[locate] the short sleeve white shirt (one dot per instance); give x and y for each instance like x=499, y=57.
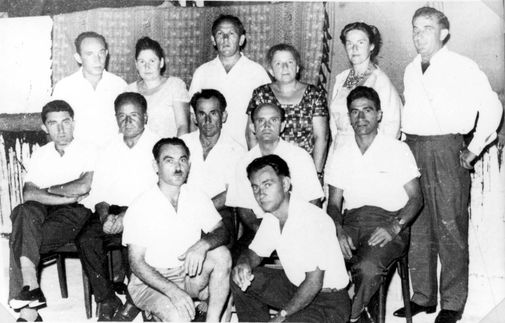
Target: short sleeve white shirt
x=237, y=87
x=123, y=173
x=307, y=241
x=47, y=167
x=375, y=178
x=152, y=222
x=95, y=120
x=213, y=174
x=304, y=181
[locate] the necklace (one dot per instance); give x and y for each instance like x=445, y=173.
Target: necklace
x=354, y=79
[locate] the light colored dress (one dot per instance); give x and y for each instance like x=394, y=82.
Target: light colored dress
x=160, y=105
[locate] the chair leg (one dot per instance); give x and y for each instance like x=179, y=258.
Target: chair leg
x=403, y=270
x=87, y=295
x=62, y=275
x=382, y=301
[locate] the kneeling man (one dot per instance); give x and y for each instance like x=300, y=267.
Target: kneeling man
x=377, y=179
x=311, y=285
x=171, y=261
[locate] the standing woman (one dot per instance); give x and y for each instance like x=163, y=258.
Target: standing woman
x=305, y=105
x=167, y=98
x=362, y=44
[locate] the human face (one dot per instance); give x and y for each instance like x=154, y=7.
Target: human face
x=172, y=165
x=92, y=57
x=267, y=124
x=209, y=117
x=131, y=120
x=284, y=66
x=364, y=117
x=358, y=47
x=60, y=127
x=149, y=65
x=269, y=189
x=227, y=40
x=428, y=36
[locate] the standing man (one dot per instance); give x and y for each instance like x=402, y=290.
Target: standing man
x=310, y=287
x=377, y=178
x=231, y=73
x=213, y=152
x=444, y=92
x=91, y=91
x=59, y=176
x=123, y=172
x=172, y=262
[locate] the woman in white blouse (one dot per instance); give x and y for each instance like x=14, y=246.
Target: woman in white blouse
x=167, y=97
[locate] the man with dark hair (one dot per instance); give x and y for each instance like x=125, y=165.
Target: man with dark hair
x=171, y=261
x=58, y=177
x=213, y=153
x=232, y=73
x=446, y=97
x=374, y=195
x=268, y=123
x=91, y=90
x=123, y=171
x=310, y=287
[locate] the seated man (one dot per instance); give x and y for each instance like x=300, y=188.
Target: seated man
x=311, y=285
x=213, y=152
x=377, y=179
x=123, y=171
x=59, y=176
x=171, y=261
x=268, y=122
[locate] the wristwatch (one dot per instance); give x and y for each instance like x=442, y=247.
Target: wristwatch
x=283, y=313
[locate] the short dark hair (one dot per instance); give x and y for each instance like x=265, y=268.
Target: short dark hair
x=134, y=98
x=235, y=21
x=271, y=104
x=208, y=94
x=56, y=106
x=88, y=34
x=366, y=93
x=277, y=163
x=442, y=19
x=168, y=141
x=288, y=48
x=373, y=34
x=146, y=43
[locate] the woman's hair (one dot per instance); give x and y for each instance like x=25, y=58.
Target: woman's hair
x=373, y=34
x=145, y=43
x=288, y=48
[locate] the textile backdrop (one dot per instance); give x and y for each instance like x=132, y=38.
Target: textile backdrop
x=185, y=33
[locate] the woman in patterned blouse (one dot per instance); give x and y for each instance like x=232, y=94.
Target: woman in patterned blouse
x=305, y=105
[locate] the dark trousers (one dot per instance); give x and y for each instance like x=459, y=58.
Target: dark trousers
x=441, y=228
x=271, y=288
x=369, y=263
x=92, y=244
x=39, y=229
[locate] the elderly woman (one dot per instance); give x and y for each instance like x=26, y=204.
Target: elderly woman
x=167, y=97
x=362, y=44
x=305, y=105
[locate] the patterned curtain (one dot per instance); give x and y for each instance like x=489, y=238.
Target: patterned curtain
x=185, y=33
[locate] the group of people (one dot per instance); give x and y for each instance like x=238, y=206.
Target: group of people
x=224, y=203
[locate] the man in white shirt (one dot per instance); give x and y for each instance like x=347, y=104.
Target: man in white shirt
x=374, y=195
x=59, y=176
x=231, y=73
x=310, y=287
x=91, y=91
x=268, y=121
x=123, y=172
x=213, y=153
x=171, y=261
x=444, y=93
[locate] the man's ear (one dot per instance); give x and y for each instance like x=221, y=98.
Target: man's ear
x=213, y=41
x=155, y=166
x=224, y=117
x=44, y=128
x=252, y=127
x=286, y=183
x=379, y=115
x=162, y=62
x=78, y=58
x=283, y=125
x=241, y=40
x=443, y=34
x=193, y=117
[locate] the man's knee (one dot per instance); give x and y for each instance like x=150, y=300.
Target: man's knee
x=367, y=269
x=24, y=209
x=220, y=258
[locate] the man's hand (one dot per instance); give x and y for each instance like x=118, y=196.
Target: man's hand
x=382, y=235
x=193, y=259
x=183, y=303
x=278, y=318
x=242, y=276
x=113, y=224
x=346, y=244
x=466, y=158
